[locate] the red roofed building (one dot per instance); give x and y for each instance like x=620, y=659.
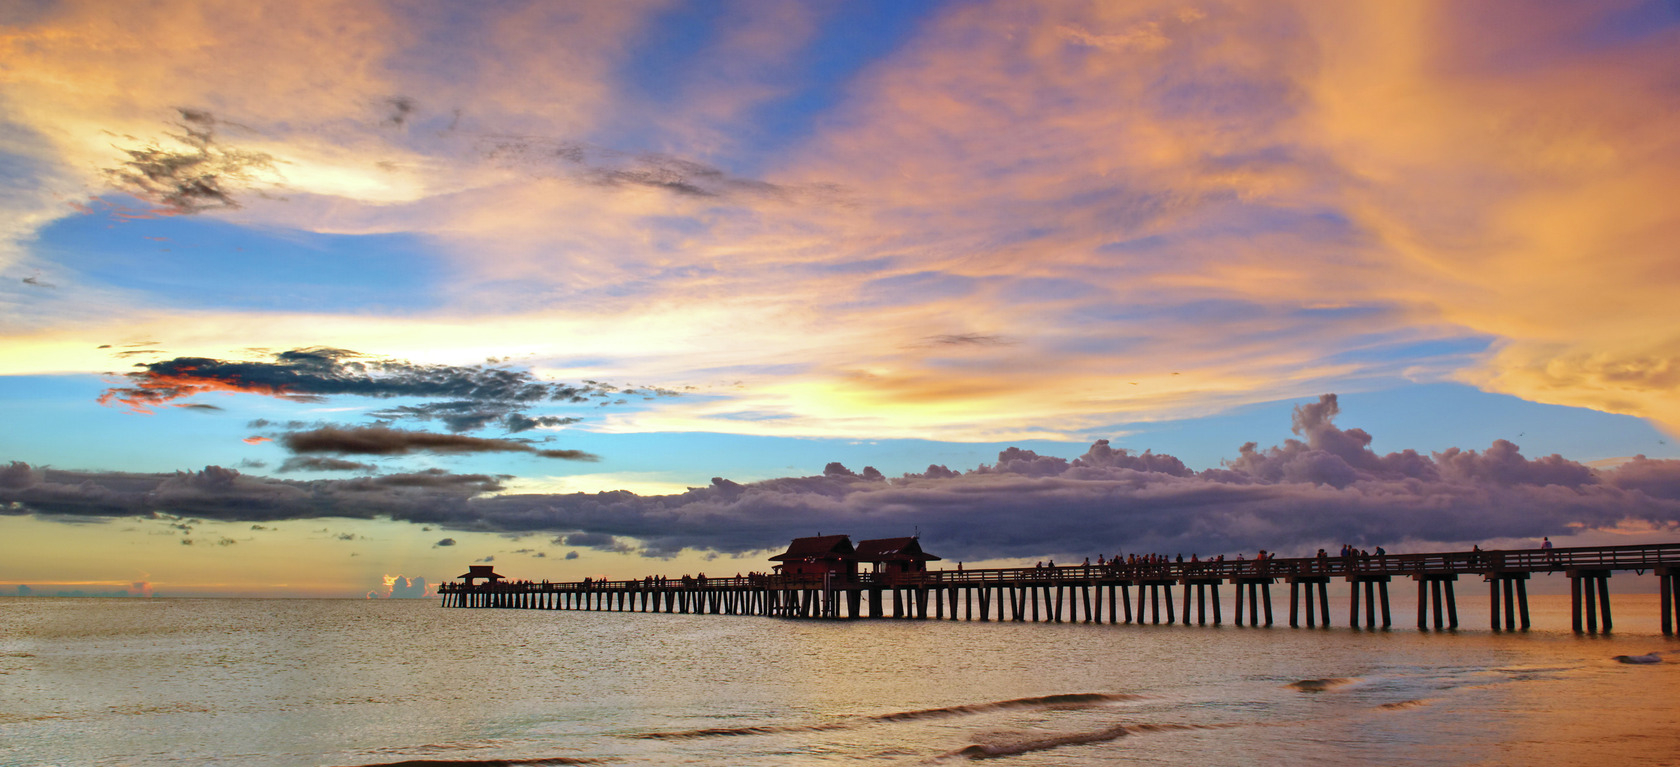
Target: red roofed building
x=818, y=556
x=894, y=555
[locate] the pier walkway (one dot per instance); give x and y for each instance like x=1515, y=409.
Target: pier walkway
x=1092, y=593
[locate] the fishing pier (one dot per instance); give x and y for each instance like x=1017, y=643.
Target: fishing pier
x=820, y=578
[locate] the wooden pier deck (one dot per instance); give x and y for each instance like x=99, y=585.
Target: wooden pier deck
x=1098, y=594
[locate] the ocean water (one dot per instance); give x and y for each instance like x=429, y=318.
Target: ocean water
x=328, y=682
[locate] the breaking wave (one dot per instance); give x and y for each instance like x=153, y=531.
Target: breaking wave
x=1060, y=701
x=539, y=762
x=1320, y=685
x=1042, y=743
x=1014, y=745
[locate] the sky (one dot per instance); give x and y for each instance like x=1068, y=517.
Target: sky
x=337, y=298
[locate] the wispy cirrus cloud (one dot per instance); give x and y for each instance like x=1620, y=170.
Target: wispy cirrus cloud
x=1266, y=198
x=200, y=173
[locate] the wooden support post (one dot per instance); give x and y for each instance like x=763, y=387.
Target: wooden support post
x=1382, y=593
x=1059, y=592
x=985, y=596
x=1590, y=586
x=1665, y=583
x=1522, y=603
x=1353, y=604
x=1140, y=611
x=1201, y=604
x=1493, y=603
x=1604, y=599
x=1324, y=602
x=1166, y=589
x=1266, y=601
x=1575, y=601
x=1237, y=587
x=1423, y=602
x=1295, y=604
x=1085, y=599
x=1452, y=605
x=1370, y=604
x=1213, y=588
x=1435, y=590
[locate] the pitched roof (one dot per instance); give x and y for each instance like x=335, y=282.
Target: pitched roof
x=482, y=571
x=892, y=549
x=817, y=547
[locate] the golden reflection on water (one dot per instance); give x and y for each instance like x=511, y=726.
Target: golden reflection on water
x=306, y=682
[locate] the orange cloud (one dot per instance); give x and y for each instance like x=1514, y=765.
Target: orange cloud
x=154, y=389
x=1168, y=209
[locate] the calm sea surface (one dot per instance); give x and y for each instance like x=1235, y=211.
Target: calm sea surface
x=323, y=682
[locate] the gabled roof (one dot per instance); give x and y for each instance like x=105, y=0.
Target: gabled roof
x=482, y=571
x=893, y=550
x=817, y=547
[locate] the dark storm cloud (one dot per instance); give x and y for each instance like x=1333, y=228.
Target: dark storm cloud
x=385, y=441
x=471, y=397
x=610, y=168
x=203, y=175
x=516, y=423
x=318, y=463
x=601, y=541
x=1325, y=488
x=469, y=415
x=430, y=478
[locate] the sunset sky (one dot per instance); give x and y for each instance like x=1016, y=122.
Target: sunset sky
x=316, y=298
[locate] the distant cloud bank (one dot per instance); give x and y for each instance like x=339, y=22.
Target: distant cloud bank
x=1325, y=487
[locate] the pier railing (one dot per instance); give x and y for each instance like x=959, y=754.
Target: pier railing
x=1638, y=557
x=1026, y=593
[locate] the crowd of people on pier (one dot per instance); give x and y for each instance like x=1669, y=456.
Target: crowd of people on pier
x=1349, y=559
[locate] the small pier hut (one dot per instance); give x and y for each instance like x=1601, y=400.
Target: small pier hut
x=486, y=573
x=818, y=556
x=895, y=555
